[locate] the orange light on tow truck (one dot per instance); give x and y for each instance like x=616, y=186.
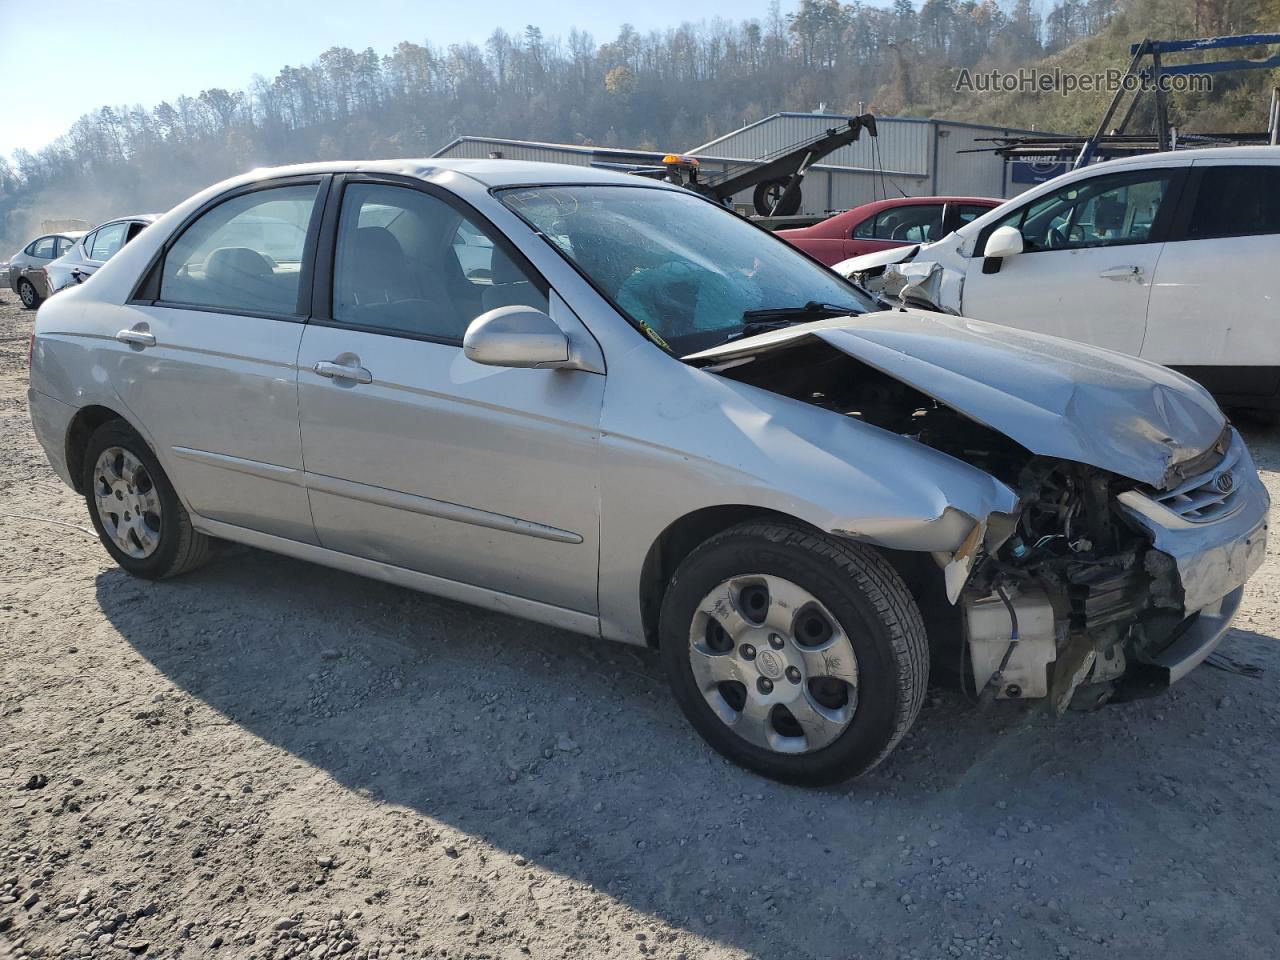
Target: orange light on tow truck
x=676, y=160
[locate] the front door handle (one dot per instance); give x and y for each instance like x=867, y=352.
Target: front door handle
x=1122, y=273
x=137, y=338
x=339, y=371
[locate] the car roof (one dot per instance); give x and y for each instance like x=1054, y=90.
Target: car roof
x=875, y=206
x=132, y=218
x=492, y=173
x=1187, y=156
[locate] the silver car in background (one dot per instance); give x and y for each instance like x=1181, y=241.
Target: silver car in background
x=24, y=275
x=630, y=413
x=83, y=258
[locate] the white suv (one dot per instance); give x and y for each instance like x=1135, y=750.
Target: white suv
x=1168, y=257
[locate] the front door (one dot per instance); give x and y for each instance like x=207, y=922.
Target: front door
x=207, y=361
x=415, y=455
x=1089, y=254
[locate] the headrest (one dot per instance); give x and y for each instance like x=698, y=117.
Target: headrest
x=231, y=264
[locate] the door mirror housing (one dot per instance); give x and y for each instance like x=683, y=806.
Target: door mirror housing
x=516, y=336
x=1003, y=242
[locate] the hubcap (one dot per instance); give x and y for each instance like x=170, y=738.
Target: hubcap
x=27, y=292
x=773, y=664
x=127, y=501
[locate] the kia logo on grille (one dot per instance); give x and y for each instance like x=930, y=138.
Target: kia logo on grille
x=1225, y=482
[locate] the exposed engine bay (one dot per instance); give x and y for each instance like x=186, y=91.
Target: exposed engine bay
x=1065, y=599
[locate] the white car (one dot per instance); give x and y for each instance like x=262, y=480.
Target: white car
x=82, y=259
x=1169, y=257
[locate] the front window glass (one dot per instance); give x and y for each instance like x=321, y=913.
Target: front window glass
x=681, y=267
x=410, y=263
x=914, y=223
x=1103, y=212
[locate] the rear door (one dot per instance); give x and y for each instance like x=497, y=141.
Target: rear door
x=206, y=354
x=415, y=455
x=1215, y=303
x=1090, y=250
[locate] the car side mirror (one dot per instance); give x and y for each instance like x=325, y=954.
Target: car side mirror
x=516, y=336
x=1003, y=242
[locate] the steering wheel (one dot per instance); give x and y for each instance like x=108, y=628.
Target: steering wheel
x=1056, y=238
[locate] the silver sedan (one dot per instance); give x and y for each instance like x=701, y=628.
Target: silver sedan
x=25, y=275
x=611, y=405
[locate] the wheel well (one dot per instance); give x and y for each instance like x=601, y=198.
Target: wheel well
x=679, y=540
x=86, y=420
x=919, y=570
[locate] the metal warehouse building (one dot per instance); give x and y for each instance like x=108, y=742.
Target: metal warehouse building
x=910, y=156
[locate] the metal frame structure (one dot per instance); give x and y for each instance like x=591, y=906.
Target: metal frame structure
x=1152, y=77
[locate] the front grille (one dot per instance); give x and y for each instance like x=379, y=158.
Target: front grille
x=1210, y=496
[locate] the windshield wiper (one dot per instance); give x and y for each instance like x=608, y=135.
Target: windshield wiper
x=775, y=318
x=813, y=310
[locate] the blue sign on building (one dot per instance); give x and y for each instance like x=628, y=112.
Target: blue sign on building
x=1037, y=169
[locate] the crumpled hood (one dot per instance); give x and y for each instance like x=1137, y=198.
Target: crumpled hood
x=1057, y=398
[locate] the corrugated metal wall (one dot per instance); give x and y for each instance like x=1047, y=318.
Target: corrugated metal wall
x=968, y=174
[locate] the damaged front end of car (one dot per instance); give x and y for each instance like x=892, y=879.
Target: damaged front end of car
x=1139, y=514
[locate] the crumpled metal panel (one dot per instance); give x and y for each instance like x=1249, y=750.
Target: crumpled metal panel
x=1055, y=397
x=1212, y=558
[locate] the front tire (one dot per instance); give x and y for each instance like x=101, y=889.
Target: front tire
x=27, y=293
x=798, y=655
x=134, y=508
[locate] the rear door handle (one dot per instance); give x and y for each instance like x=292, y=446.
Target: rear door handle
x=339, y=371
x=1122, y=273
x=137, y=338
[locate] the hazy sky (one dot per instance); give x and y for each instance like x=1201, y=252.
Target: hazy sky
x=62, y=59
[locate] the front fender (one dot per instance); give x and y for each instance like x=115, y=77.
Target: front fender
x=700, y=441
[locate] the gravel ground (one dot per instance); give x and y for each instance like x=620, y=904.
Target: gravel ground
x=268, y=759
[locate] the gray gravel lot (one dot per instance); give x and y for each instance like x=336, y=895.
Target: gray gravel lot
x=269, y=759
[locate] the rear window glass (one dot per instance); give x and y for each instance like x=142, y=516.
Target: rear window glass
x=244, y=254
x=1236, y=202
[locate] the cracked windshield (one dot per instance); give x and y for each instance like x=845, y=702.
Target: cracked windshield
x=650, y=251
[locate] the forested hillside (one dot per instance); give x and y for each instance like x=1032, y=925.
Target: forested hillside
x=670, y=90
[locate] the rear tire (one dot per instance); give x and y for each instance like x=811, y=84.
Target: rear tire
x=27, y=293
x=840, y=719
x=134, y=508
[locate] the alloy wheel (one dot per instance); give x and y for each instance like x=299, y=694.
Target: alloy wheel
x=773, y=664
x=127, y=502
x=28, y=294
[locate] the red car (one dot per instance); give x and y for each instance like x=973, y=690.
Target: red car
x=885, y=224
